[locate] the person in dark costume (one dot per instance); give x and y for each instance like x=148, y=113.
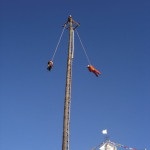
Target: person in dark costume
x=50, y=65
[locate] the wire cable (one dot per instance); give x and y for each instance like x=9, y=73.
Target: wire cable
x=83, y=47
x=58, y=44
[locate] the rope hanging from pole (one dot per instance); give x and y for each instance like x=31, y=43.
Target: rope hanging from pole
x=72, y=43
x=83, y=47
x=58, y=44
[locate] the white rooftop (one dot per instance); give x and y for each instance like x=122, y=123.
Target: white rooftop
x=108, y=146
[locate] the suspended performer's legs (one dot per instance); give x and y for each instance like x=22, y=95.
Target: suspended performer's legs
x=49, y=68
x=97, y=71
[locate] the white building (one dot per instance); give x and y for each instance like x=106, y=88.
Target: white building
x=108, y=146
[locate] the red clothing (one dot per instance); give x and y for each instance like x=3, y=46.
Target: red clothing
x=92, y=69
x=50, y=63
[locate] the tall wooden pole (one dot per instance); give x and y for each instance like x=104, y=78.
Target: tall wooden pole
x=67, y=94
x=65, y=143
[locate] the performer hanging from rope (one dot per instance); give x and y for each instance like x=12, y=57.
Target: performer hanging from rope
x=92, y=69
x=50, y=65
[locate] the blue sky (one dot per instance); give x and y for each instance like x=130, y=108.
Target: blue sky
x=116, y=36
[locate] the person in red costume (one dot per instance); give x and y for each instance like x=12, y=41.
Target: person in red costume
x=92, y=69
x=50, y=65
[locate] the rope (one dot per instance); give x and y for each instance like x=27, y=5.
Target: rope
x=97, y=146
x=83, y=47
x=123, y=147
x=58, y=43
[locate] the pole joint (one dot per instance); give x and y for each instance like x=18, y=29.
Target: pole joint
x=72, y=21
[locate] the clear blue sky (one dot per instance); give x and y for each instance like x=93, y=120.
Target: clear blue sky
x=116, y=36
